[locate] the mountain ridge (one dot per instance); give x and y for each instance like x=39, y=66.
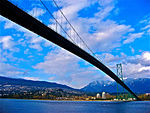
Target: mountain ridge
x=24, y=82
x=139, y=85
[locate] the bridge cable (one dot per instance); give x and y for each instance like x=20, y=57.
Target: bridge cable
x=76, y=31
x=73, y=28
x=56, y=20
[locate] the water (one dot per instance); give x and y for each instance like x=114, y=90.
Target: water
x=46, y=106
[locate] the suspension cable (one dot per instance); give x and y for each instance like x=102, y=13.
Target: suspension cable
x=56, y=20
x=70, y=26
x=73, y=28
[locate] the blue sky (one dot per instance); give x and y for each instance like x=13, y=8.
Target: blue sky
x=118, y=31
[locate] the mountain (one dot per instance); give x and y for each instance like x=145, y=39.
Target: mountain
x=23, y=82
x=97, y=86
x=28, y=89
x=140, y=86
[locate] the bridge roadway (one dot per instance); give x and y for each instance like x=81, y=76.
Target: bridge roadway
x=15, y=14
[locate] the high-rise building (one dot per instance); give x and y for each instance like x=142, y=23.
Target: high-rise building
x=103, y=95
x=98, y=95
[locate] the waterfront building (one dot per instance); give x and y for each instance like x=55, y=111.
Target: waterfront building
x=98, y=95
x=147, y=94
x=103, y=95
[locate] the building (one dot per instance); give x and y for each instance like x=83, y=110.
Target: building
x=103, y=95
x=147, y=94
x=98, y=95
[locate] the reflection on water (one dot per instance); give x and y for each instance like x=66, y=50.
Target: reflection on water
x=46, y=106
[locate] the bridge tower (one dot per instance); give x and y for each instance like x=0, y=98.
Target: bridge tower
x=120, y=90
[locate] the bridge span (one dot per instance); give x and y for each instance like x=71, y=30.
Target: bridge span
x=15, y=14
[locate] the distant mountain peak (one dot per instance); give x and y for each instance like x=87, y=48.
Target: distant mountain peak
x=94, y=83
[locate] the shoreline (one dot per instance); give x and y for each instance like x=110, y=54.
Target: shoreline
x=54, y=100
x=75, y=100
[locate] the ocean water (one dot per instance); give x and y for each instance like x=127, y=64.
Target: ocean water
x=46, y=106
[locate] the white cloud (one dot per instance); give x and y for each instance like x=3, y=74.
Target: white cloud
x=71, y=8
x=30, y=38
x=7, y=42
x=105, y=2
x=61, y=64
x=66, y=69
x=9, y=24
x=137, y=66
x=36, y=12
x=143, y=59
x=38, y=43
x=146, y=27
x=144, y=69
x=132, y=36
x=107, y=57
x=36, y=46
x=58, y=62
x=109, y=33
x=146, y=56
x=36, y=40
x=131, y=70
x=136, y=71
x=132, y=50
x=9, y=70
x=26, y=51
x=145, y=23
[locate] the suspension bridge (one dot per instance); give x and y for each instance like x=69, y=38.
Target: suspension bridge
x=19, y=16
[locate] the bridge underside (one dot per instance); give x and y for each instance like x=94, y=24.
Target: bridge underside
x=20, y=17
